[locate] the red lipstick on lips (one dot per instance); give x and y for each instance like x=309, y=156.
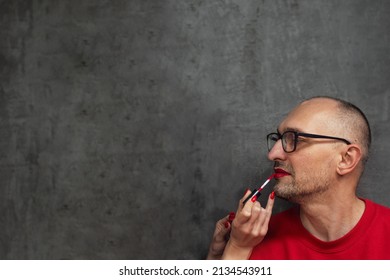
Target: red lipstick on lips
x=279, y=173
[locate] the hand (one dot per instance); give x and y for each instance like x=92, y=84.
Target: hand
x=248, y=228
x=220, y=237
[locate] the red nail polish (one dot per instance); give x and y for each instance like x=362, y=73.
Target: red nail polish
x=272, y=195
x=226, y=224
x=253, y=199
x=232, y=215
x=247, y=190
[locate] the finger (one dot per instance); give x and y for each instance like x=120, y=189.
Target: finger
x=268, y=208
x=232, y=215
x=270, y=202
x=246, y=195
x=241, y=205
x=220, y=225
x=251, y=213
x=245, y=214
x=249, y=197
x=265, y=215
x=222, y=228
x=256, y=212
x=257, y=218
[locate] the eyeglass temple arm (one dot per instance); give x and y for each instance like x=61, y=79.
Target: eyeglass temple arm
x=323, y=137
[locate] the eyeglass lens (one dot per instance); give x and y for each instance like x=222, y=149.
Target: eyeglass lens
x=288, y=141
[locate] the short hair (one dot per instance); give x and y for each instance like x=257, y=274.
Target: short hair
x=355, y=121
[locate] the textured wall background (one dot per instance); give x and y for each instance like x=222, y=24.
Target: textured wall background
x=129, y=127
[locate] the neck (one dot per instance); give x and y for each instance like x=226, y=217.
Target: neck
x=331, y=219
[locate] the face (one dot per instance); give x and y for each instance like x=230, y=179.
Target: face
x=311, y=166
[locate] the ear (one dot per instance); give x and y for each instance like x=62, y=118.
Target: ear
x=350, y=159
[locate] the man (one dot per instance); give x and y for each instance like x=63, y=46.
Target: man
x=319, y=152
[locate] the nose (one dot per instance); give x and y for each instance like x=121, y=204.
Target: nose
x=277, y=153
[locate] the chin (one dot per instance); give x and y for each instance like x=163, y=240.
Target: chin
x=286, y=191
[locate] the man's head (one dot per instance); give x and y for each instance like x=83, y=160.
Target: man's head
x=320, y=163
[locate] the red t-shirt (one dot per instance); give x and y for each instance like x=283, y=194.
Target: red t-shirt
x=288, y=239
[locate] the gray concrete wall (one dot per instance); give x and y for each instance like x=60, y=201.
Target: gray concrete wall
x=129, y=127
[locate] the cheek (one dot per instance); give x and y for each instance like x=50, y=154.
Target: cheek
x=309, y=164
x=317, y=170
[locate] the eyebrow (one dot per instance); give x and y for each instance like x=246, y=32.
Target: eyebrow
x=289, y=129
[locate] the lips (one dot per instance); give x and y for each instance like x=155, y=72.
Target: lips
x=279, y=173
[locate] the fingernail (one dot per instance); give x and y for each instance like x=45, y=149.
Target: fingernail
x=272, y=195
x=247, y=190
x=226, y=224
x=253, y=199
x=232, y=215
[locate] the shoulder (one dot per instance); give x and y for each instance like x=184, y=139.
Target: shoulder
x=376, y=206
x=377, y=210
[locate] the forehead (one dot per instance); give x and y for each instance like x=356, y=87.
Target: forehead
x=313, y=116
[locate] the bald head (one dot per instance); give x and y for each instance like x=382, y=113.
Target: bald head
x=345, y=117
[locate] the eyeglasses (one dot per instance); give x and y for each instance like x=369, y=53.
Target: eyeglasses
x=290, y=139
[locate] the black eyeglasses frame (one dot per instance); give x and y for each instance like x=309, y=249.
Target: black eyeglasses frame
x=298, y=134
